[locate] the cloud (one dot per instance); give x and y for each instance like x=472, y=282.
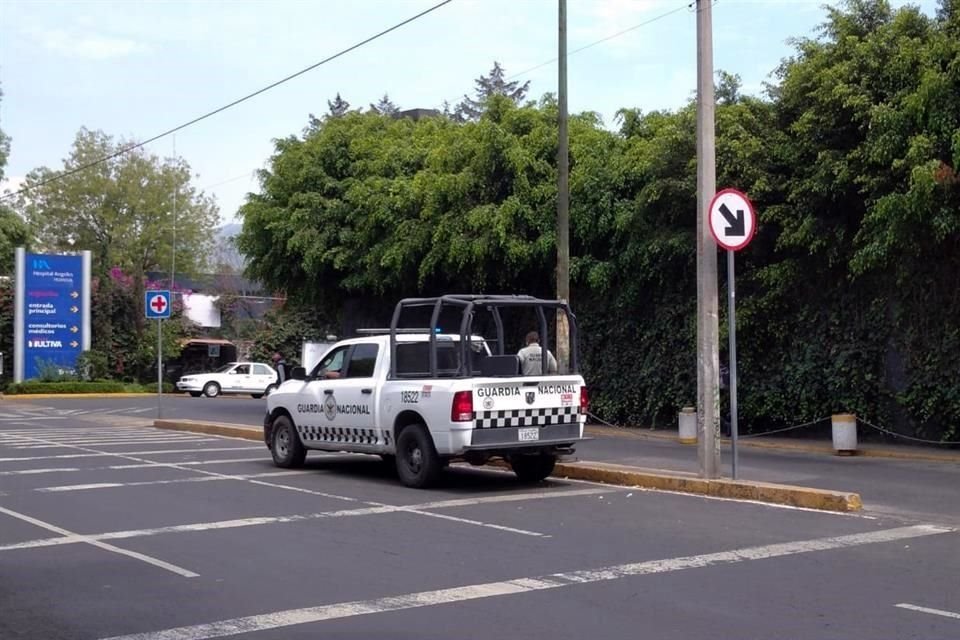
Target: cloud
x=88, y=45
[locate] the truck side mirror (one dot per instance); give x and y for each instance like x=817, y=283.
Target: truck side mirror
x=298, y=373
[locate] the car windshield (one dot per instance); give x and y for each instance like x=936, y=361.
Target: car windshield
x=226, y=368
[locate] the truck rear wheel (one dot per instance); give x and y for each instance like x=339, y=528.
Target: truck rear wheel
x=418, y=464
x=286, y=448
x=533, y=468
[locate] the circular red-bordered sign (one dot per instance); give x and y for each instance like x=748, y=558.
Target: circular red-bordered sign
x=732, y=219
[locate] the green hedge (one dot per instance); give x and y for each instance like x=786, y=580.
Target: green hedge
x=79, y=387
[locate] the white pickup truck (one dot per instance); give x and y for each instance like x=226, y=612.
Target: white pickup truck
x=422, y=398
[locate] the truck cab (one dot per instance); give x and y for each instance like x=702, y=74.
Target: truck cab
x=421, y=398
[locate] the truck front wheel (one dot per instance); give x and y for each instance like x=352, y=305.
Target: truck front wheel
x=287, y=450
x=418, y=464
x=533, y=468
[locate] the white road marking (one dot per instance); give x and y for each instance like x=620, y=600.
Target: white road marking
x=117, y=467
x=144, y=483
x=291, y=617
x=105, y=454
x=26, y=431
x=191, y=463
x=344, y=513
x=936, y=612
x=79, y=487
x=54, y=444
x=413, y=509
x=107, y=437
x=76, y=537
x=25, y=472
x=477, y=523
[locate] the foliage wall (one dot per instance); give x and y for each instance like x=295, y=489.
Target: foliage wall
x=847, y=297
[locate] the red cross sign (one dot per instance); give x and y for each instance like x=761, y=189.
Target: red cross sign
x=157, y=304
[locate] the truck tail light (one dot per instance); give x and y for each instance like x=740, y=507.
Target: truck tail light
x=584, y=400
x=462, y=408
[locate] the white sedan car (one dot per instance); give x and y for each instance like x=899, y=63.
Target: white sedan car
x=256, y=378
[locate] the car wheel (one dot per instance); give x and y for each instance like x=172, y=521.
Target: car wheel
x=211, y=390
x=286, y=448
x=256, y=396
x=196, y=394
x=418, y=464
x=532, y=468
x=270, y=389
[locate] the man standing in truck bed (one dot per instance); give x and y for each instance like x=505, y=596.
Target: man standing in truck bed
x=530, y=357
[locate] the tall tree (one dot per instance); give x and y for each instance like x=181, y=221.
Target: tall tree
x=121, y=209
x=385, y=106
x=13, y=231
x=492, y=84
x=338, y=106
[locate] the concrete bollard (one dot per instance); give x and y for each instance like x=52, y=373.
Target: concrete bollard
x=688, y=425
x=845, y=434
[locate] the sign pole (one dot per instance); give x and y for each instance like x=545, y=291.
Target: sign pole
x=159, y=368
x=732, y=223
x=156, y=305
x=731, y=300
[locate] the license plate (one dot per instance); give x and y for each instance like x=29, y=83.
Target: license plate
x=527, y=435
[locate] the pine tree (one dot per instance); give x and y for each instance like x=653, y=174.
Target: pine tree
x=338, y=106
x=385, y=106
x=492, y=84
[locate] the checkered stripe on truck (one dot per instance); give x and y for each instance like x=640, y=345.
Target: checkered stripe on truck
x=527, y=417
x=341, y=435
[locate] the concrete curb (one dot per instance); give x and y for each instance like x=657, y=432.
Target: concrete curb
x=807, y=497
x=799, y=447
x=211, y=428
x=76, y=396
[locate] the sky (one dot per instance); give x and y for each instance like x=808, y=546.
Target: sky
x=136, y=69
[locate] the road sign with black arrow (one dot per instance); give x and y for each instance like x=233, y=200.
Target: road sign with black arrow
x=732, y=222
x=732, y=219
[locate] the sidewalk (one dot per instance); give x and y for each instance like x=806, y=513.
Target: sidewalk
x=822, y=447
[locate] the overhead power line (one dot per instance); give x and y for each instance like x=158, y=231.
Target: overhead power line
x=683, y=7
x=686, y=6
x=129, y=148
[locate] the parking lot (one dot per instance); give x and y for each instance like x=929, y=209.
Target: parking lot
x=112, y=529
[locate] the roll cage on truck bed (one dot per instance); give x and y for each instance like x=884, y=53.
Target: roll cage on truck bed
x=421, y=398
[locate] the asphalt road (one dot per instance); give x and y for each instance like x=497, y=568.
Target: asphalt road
x=908, y=489
x=112, y=529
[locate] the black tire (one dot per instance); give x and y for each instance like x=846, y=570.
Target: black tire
x=256, y=396
x=285, y=445
x=270, y=389
x=211, y=389
x=418, y=464
x=533, y=468
x=196, y=394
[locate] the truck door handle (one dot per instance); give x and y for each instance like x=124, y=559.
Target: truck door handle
x=328, y=392
x=368, y=391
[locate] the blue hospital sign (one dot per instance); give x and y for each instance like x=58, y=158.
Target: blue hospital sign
x=52, y=315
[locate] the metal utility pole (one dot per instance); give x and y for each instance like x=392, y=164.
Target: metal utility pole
x=563, y=195
x=708, y=357
x=173, y=250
